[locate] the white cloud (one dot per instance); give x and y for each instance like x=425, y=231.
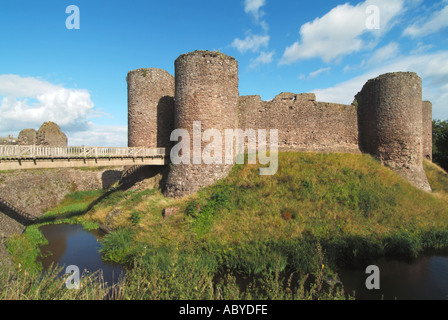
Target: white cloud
x=100, y=136
x=387, y=52
x=348, y=68
x=432, y=68
x=251, y=42
x=314, y=74
x=14, y=85
x=263, y=58
x=252, y=7
x=421, y=47
x=436, y=22
x=28, y=102
x=340, y=31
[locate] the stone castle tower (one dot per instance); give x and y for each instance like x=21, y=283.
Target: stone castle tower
x=390, y=116
x=150, y=108
x=389, y=121
x=206, y=91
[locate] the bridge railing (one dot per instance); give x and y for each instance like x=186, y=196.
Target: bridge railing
x=20, y=151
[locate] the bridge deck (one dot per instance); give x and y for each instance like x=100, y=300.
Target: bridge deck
x=16, y=157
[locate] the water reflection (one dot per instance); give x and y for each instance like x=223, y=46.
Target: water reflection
x=425, y=278
x=70, y=244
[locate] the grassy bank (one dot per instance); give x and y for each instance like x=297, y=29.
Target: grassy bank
x=350, y=204
x=25, y=248
x=267, y=237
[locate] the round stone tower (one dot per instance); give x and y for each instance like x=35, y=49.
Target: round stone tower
x=150, y=108
x=390, y=124
x=206, y=94
x=427, y=130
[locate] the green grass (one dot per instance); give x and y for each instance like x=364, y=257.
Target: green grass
x=25, y=248
x=354, y=207
x=437, y=176
x=25, y=285
x=314, y=195
x=287, y=233
x=256, y=226
x=177, y=274
x=73, y=205
x=118, y=245
x=168, y=275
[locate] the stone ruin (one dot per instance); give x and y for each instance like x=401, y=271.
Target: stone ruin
x=49, y=135
x=387, y=118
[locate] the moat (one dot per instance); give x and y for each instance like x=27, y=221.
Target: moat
x=70, y=244
x=424, y=278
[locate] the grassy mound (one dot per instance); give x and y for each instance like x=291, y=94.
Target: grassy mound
x=318, y=213
x=349, y=205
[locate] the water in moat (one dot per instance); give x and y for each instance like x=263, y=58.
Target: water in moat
x=425, y=277
x=71, y=244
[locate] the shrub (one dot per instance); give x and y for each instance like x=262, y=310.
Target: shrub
x=25, y=248
x=193, y=208
x=203, y=215
x=117, y=246
x=169, y=274
x=403, y=244
x=136, y=217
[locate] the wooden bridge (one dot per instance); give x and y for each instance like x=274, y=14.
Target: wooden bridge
x=14, y=157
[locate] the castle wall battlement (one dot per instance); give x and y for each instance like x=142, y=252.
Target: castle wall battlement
x=303, y=123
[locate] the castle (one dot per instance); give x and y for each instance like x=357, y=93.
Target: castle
x=387, y=118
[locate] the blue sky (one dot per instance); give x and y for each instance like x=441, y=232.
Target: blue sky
x=76, y=77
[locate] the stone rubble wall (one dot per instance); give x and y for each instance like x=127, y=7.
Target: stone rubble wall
x=49, y=135
x=303, y=124
x=35, y=191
